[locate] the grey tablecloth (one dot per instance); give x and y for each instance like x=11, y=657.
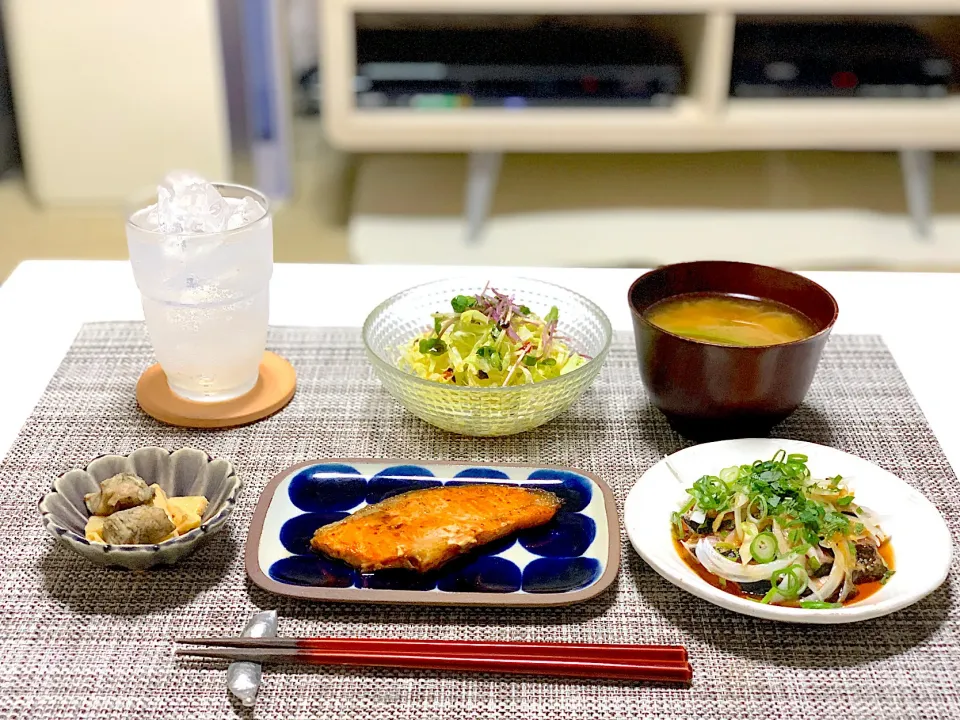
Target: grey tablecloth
x=78, y=641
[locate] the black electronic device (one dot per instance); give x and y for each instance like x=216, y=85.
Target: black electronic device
x=515, y=68
x=837, y=60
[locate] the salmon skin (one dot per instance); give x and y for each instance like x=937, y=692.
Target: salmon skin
x=423, y=529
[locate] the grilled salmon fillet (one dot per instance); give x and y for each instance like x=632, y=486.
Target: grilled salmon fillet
x=423, y=529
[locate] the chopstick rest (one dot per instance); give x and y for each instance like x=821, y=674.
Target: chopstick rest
x=243, y=677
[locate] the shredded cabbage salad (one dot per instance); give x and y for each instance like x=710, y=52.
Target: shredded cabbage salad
x=490, y=341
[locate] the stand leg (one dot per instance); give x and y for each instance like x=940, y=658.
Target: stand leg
x=917, y=167
x=483, y=170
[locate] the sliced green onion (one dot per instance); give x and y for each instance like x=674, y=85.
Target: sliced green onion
x=764, y=548
x=711, y=493
x=677, y=520
x=762, y=511
x=886, y=576
x=845, y=500
x=730, y=474
x=818, y=605
x=790, y=582
x=771, y=594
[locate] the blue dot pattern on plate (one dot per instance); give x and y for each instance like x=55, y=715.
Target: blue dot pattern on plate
x=484, y=574
x=313, y=570
x=575, y=490
x=328, y=488
x=404, y=471
x=569, y=535
x=296, y=532
x=477, y=476
x=546, y=559
x=559, y=575
x=381, y=488
x=398, y=580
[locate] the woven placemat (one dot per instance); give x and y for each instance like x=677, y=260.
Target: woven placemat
x=79, y=641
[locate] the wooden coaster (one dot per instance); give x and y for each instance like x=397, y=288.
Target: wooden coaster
x=274, y=389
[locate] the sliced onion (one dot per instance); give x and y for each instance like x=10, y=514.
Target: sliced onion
x=847, y=587
x=872, y=525
x=816, y=552
x=749, y=533
x=826, y=588
x=763, y=506
x=850, y=559
x=782, y=544
x=735, y=572
x=718, y=521
x=738, y=521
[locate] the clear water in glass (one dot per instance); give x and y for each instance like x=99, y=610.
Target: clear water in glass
x=202, y=257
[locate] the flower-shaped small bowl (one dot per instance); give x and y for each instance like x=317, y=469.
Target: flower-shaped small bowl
x=183, y=472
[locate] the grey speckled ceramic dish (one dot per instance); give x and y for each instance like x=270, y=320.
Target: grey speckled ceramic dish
x=184, y=472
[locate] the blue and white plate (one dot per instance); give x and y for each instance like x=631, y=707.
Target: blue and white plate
x=574, y=557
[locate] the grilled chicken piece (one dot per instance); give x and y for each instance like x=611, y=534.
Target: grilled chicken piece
x=423, y=529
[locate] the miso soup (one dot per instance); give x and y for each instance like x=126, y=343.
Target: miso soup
x=730, y=319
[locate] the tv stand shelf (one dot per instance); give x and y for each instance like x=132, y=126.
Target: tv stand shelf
x=706, y=119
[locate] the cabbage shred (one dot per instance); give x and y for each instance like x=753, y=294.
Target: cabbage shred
x=490, y=341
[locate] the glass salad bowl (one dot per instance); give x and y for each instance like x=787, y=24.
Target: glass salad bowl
x=485, y=411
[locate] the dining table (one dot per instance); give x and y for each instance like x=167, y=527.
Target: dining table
x=78, y=640
x=44, y=303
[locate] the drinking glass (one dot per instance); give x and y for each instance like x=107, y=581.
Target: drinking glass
x=206, y=298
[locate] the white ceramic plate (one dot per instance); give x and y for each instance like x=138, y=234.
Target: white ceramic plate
x=921, y=540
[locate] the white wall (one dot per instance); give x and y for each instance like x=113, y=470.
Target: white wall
x=110, y=94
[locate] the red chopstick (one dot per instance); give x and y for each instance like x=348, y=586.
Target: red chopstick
x=454, y=647
x=621, y=662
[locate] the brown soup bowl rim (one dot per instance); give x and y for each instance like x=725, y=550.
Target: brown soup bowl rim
x=672, y=266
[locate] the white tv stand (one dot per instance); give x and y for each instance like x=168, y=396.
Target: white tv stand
x=706, y=119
